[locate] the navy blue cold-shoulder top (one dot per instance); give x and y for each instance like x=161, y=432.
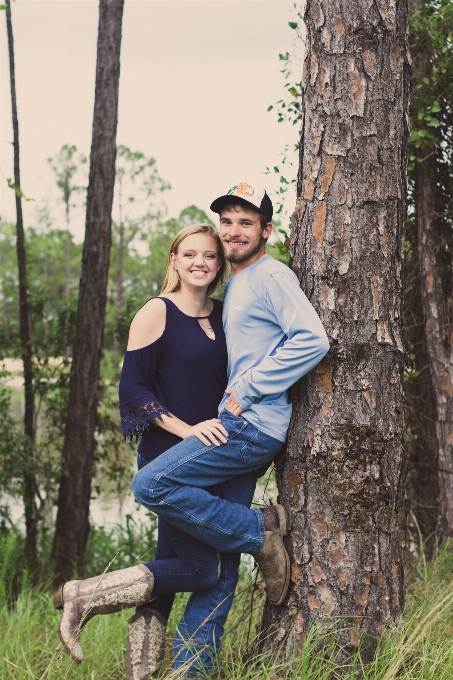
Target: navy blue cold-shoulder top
x=183, y=373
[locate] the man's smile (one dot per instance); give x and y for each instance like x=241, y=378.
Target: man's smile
x=236, y=244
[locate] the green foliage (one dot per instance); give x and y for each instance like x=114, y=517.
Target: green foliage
x=17, y=190
x=278, y=250
x=13, y=577
x=66, y=165
x=51, y=316
x=431, y=30
x=14, y=446
x=125, y=545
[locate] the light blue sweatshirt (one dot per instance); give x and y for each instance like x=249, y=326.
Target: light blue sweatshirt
x=274, y=337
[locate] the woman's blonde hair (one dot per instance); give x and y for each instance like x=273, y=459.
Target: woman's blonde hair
x=172, y=282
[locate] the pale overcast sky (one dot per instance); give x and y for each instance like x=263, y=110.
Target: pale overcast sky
x=197, y=77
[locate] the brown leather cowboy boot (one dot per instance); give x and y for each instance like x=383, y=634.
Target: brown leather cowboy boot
x=273, y=559
x=145, y=644
x=81, y=600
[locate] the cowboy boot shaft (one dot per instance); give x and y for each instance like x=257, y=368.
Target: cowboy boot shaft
x=145, y=645
x=105, y=594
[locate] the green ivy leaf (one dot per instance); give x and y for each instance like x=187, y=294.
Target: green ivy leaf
x=293, y=91
x=292, y=24
x=17, y=190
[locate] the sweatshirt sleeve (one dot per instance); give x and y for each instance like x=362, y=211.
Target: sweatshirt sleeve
x=305, y=345
x=139, y=406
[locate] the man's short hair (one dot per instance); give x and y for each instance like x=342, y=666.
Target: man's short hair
x=235, y=204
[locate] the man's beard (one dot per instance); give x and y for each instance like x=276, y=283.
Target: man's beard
x=254, y=248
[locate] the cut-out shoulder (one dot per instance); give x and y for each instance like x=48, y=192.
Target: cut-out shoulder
x=148, y=325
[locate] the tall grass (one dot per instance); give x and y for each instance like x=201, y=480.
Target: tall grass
x=420, y=647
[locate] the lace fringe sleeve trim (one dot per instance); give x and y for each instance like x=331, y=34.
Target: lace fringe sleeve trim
x=138, y=415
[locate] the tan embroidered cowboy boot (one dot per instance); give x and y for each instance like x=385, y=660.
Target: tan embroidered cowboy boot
x=111, y=592
x=273, y=559
x=145, y=644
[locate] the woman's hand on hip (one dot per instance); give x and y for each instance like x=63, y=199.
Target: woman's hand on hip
x=208, y=432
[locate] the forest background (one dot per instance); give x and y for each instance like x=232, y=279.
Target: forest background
x=142, y=232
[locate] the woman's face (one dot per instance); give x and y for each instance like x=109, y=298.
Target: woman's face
x=197, y=261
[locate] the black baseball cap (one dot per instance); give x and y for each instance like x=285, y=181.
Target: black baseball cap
x=251, y=196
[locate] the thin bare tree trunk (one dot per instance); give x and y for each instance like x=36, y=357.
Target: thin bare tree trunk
x=119, y=287
x=72, y=526
x=68, y=256
x=422, y=416
x=421, y=413
x=119, y=271
x=30, y=488
x=343, y=475
x=438, y=332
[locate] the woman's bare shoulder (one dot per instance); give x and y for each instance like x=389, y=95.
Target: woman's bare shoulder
x=148, y=324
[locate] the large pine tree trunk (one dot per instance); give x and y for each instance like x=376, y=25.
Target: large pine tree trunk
x=30, y=486
x=437, y=331
x=72, y=526
x=343, y=474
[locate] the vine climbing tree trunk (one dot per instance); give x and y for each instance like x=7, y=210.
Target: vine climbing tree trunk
x=29, y=479
x=343, y=473
x=72, y=527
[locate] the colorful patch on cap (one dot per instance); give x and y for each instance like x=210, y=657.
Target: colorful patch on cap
x=241, y=189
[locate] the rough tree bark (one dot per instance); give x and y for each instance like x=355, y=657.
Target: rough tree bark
x=30, y=486
x=438, y=332
x=72, y=527
x=343, y=474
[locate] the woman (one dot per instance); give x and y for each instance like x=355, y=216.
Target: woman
x=173, y=378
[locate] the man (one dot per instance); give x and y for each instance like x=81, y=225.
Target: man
x=274, y=337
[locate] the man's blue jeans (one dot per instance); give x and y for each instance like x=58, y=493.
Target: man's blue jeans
x=198, y=634
x=230, y=471
x=197, y=639
x=174, y=486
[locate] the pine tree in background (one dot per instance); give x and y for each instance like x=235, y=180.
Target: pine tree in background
x=29, y=480
x=72, y=526
x=429, y=285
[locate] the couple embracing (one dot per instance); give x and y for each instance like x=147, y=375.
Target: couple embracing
x=205, y=386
